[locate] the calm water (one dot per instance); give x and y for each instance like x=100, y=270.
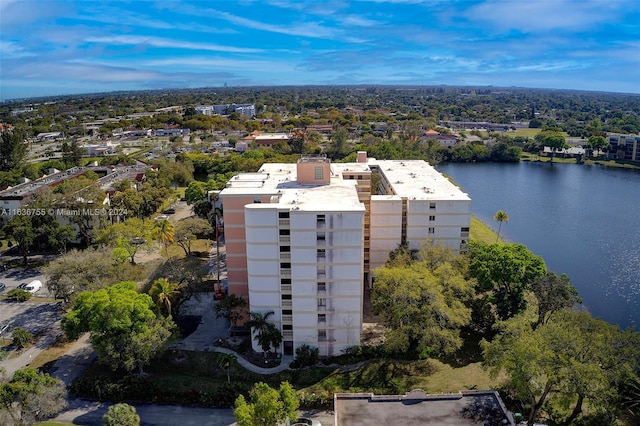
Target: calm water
x=583, y=220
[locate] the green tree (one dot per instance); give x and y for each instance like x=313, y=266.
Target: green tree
x=551, y=138
x=265, y=333
x=21, y=337
x=21, y=230
x=266, y=406
x=129, y=200
x=596, y=143
x=121, y=415
x=505, y=272
x=567, y=361
x=72, y=152
x=31, y=396
x=164, y=294
x=124, y=329
x=553, y=293
x=19, y=295
x=500, y=217
x=232, y=308
x=132, y=235
x=188, y=230
x=163, y=231
x=81, y=270
x=13, y=150
x=225, y=362
x=423, y=309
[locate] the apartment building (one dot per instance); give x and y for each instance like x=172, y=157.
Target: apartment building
x=624, y=147
x=302, y=239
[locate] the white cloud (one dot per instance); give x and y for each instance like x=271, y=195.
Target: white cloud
x=162, y=42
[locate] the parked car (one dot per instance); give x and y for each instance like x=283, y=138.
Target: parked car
x=34, y=286
x=22, y=286
x=303, y=421
x=170, y=210
x=161, y=217
x=2, y=286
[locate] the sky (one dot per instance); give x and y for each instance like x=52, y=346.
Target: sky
x=61, y=47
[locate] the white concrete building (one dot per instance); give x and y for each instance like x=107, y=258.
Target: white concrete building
x=302, y=239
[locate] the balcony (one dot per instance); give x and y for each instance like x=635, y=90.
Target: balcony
x=287, y=319
x=464, y=235
x=285, y=272
x=287, y=304
x=285, y=288
x=287, y=335
x=284, y=222
x=285, y=256
x=284, y=239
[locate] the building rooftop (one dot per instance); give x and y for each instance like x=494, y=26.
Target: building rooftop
x=416, y=179
x=279, y=181
x=419, y=408
x=412, y=179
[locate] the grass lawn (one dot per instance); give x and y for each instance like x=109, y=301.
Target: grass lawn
x=481, y=232
x=530, y=132
x=194, y=378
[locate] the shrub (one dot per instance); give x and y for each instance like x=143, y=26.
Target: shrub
x=19, y=295
x=121, y=415
x=21, y=337
x=306, y=356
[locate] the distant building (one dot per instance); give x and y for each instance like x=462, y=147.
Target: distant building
x=302, y=239
x=248, y=110
x=19, y=111
x=172, y=132
x=466, y=408
x=49, y=136
x=624, y=147
x=446, y=140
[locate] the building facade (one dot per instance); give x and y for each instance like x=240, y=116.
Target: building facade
x=624, y=147
x=302, y=239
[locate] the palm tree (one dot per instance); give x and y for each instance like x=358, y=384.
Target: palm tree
x=225, y=361
x=164, y=294
x=163, y=231
x=264, y=331
x=500, y=216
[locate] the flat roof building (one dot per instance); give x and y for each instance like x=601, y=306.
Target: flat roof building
x=466, y=408
x=302, y=239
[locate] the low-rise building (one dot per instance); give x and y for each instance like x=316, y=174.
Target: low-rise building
x=466, y=408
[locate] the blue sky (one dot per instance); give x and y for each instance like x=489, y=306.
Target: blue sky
x=50, y=47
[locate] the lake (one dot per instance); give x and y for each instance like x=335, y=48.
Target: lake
x=583, y=220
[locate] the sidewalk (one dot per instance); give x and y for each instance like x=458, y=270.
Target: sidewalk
x=11, y=365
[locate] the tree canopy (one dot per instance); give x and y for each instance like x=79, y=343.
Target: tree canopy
x=568, y=360
x=124, y=329
x=266, y=406
x=423, y=303
x=505, y=271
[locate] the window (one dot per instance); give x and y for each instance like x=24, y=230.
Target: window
x=287, y=312
x=286, y=297
x=322, y=302
x=322, y=270
x=283, y=215
x=285, y=232
x=287, y=327
x=321, y=253
x=432, y=206
x=322, y=334
x=322, y=286
x=351, y=177
x=432, y=218
x=432, y=230
x=257, y=200
x=322, y=317
x=285, y=281
x=464, y=229
x=319, y=173
x=321, y=219
x=285, y=249
x=322, y=236
x=285, y=265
